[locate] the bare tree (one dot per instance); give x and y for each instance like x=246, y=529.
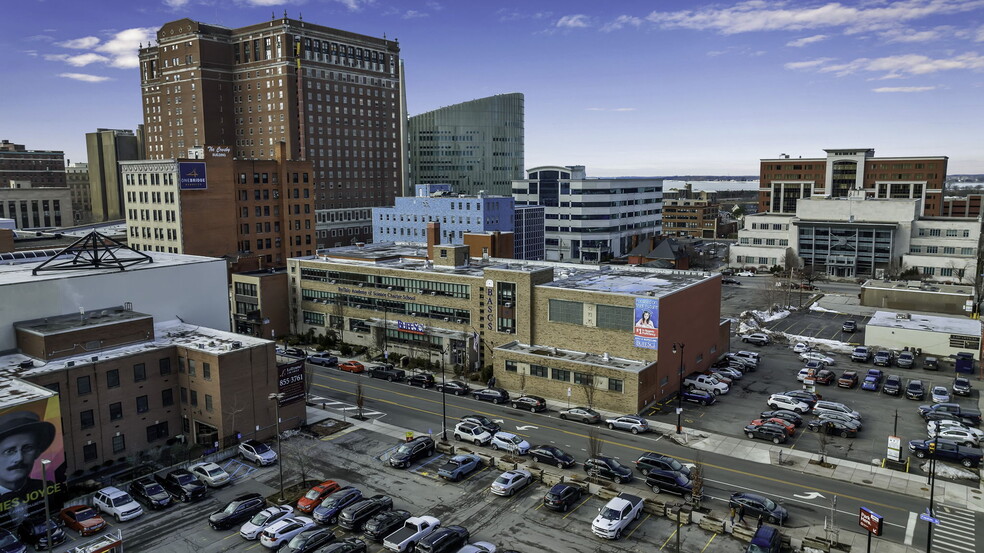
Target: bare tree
x=232, y=409
x=589, y=391
x=823, y=440
x=297, y=457
x=360, y=400
x=594, y=443
x=697, y=482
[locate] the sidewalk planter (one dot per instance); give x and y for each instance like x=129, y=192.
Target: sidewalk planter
x=711, y=524
x=445, y=447
x=745, y=532
x=654, y=507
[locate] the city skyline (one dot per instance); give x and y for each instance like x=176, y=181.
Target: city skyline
x=630, y=89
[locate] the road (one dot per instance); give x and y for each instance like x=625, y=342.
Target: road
x=808, y=497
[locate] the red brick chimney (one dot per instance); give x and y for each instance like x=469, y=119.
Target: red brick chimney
x=433, y=238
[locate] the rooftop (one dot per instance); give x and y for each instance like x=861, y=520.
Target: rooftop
x=64, y=323
x=14, y=391
x=17, y=272
x=585, y=358
x=951, y=325
x=917, y=286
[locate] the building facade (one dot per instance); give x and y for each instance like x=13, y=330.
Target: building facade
x=106, y=148
x=476, y=146
x=590, y=220
x=218, y=206
x=934, y=335
x=41, y=168
x=545, y=328
x=333, y=97
x=77, y=178
x=260, y=303
x=30, y=207
x=686, y=213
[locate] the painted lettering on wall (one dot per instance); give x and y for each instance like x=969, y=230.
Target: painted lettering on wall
x=414, y=328
x=489, y=307
x=218, y=151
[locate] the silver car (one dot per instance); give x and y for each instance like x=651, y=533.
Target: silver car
x=632, y=423
x=583, y=414
x=510, y=482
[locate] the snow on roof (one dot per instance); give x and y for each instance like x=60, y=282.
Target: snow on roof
x=929, y=323
x=14, y=391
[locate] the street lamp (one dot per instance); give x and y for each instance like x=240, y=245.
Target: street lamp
x=682, y=346
x=932, y=484
x=444, y=401
x=47, y=511
x=276, y=397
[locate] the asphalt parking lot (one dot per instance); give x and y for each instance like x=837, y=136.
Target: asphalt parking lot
x=819, y=325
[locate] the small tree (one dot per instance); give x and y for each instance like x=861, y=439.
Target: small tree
x=594, y=443
x=297, y=456
x=823, y=440
x=589, y=391
x=360, y=400
x=697, y=481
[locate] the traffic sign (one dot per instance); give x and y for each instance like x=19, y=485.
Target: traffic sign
x=927, y=518
x=870, y=521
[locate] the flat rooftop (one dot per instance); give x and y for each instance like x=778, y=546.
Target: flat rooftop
x=585, y=358
x=930, y=323
x=920, y=287
x=14, y=391
x=18, y=272
x=87, y=319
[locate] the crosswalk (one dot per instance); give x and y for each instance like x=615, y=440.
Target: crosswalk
x=348, y=409
x=955, y=532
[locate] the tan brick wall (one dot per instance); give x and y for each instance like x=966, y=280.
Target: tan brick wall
x=81, y=340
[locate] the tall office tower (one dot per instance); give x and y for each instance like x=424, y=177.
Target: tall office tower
x=42, y=168
x=333, y=97
x=474, y=146
x=106, y=149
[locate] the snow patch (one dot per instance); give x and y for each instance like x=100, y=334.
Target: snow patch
x=816, y=307
x=947, y=471
x=822, y=344
x=767, y=317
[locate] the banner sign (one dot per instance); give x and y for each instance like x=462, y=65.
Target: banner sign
x=290, y=381
x=191, y=175
x=413, y=328
x=646, y=327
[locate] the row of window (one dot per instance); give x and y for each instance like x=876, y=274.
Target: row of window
x=607, y=316
x=950, y=232
x=946, y=250
x=157, y=431
x=564, y=375
x=87, y=418
x=434, y=288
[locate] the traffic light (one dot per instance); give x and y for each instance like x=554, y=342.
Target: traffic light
x=932, y=447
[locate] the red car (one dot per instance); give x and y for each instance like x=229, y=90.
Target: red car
x=316, y=494
x=825, y=376
x=788, y=426
x=83, y=519
x=352, y=366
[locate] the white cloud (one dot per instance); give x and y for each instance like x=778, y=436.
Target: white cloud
x=414, y=14
x=903, y=89
x=83, y=43
x=511, y=15
x=84, y=77
x=175, y=3
x=264, y=3
x=893, y=67
x=801, y=42
x=352, y=5
x=980, y=35
x=123, y=47
x=807, y=64
x=910, y=35
x=621, y=21
x=40, y=38
x=578, y=21
x=82, y=60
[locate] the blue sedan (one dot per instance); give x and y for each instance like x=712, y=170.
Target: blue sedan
x=871, y=383
x=699, y=396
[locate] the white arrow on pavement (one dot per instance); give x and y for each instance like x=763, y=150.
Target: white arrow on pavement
x=527, y=427
x=809, y=495
x=498, y=421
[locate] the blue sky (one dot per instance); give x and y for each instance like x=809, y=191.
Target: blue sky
x=656, y=87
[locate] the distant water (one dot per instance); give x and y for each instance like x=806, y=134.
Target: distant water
x=712, y=185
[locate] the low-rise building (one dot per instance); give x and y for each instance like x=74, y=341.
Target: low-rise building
x=914, y=295
x=35, y=207
x=689, y=213
x=934, y=335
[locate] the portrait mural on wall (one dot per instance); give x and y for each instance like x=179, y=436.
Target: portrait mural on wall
x=29, y=433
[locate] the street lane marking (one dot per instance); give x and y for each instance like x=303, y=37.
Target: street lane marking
x=943, y=543
x=910, y=527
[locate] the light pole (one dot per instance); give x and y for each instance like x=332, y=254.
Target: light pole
x=47, y=511
x=682, y=346
x=276, y=397
x=444, y=401
x=932, y=485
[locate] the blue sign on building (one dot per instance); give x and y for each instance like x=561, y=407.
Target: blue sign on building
x=646, y=326
x=191, y=175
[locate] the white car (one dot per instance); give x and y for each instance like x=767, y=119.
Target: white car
x=478, y=547
x=803, y=373
x=510, y=442
x=510, y=482
x=745, y=273
x=210, y=474
x=265, y=518
x=801, y=347
x=779, y=401
x=817, y=356
x=257, y=452
x=946, y=423
x=116, y=502
x=472, y=432
x=281, y=532
x=959, y=435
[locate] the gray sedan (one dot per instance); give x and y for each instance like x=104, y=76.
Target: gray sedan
x=583, y=414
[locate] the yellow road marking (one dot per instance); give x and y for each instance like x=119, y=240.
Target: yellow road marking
x=709, y=542
x=578, y=507
x=669, y=538
x=629, y=535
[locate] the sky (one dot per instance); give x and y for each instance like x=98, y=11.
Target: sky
x=629, y=87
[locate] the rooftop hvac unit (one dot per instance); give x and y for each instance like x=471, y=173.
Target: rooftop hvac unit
x=70, y=364
x=237, y=345
x=902, y=316
x=606, y=357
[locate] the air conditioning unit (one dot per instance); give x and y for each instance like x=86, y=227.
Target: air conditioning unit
x=362, y=285
x=459, y=321
x=237, y=345
x=70, y=364
x=389, y=287
x=332, y=281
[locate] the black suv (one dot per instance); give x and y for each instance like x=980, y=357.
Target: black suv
x=669, y=481
x=444, y=540
x=34, y=532
x=608, y=468
x=150, y=493
x=562, y=496
x=384, y=524
x=356, y=514
x=407, y=453
x=183, y=485
x=237, y=511
x=532, y=403
x=387, y=372
x=424, y=380
x=654, y=461
x=308, y=541
x=915, y=390
x=893, y=385
x=775, y=433
x=484, y=422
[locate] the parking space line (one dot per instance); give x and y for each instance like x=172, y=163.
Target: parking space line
x=668, y=538
x=708, y=544
x=578, y=507
x=469, y=477
x=629, y=535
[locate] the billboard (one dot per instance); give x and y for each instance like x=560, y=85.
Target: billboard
x=413, y=328
x=29, y=433
x=646, y=325
x=191, y=175
x=290, y=381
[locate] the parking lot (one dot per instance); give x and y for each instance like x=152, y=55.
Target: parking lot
x=819, y=325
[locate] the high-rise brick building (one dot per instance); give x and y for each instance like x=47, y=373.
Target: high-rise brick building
x=42, y=168
x=335, y=98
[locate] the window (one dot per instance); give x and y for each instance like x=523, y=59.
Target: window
x=142, y=404
x=560, y=374
x=167, y=397
x=165, y=365
x=87, y=419
x=113, y=378
x=89, y=452
x=206, y=371
x=139, y=372
x=946, y=271
x=538, y=370
x=115, y=411
x=184, y=395
x=929, y=271
x=616, y=318
x=194, y=398
x=119, y=443
x=191, y=367
x=181, y=364
x=208, y=403
x=157, y=431
x=582, y=378
x=84, y=385
x=510, y=366
x=615, y=384
x=566, y=311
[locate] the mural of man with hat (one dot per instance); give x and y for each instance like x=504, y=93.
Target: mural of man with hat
x=23, y=438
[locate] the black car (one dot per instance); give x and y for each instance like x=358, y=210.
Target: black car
x=183, y=485
x=915, y=390
x=355, y=515
x=789, y=416
x=386, y=372
x=447, y=539
x=348, y=545
x=893, y=385
x=552, y=456
x=833, y=426
x=883, y=358
x=294, y=352
x=849, y=326
x=530, y=403
x=669, y=481
x=562, y=497
x=730, y=281
x=424, y=380
x=408, y=452
x=384, y=524
x=961, y=386
x=756, y=505
x=34, y=532
x=806, y=397
x=455, y=387
x=237, y=511
x=309, y=541
x=772, y=432
x=150, y=493
x=484, y=422
x=608, y=468
x=495, y=395
x=650, y=461
x=9, y=542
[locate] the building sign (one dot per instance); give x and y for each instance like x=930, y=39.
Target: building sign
x=413, y=328
x=489, y=304
x=895, y=448
x=646, y=326
x=191, y=175
x=870, y=521
x=290, y=381
x=32, y=431
x=218, y=151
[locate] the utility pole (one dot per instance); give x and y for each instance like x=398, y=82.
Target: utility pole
x=679, y=428
x=276, y=397
x=932, y=485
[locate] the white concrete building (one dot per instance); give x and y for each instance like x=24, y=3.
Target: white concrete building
x=941, y=336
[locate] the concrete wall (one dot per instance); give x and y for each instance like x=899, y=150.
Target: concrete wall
x=931, y=343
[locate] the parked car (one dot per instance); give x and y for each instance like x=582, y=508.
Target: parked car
x=495, y=395
x=817, y=356
x=9, y=542
x=147, y=491
x=323, y=359
x=946, y=450
x=309, y=541
x=562, y=497
x=931, y=364
x=831, y=426
x=257, y=452
x=848, y=379
x=347, y=545
x=893, y=385
x=786, y=403
x=455, y=387
x=840, y=417
x=182, y=485
x=789, y=427
x=251, y=529
x=292, y=352
x=752, y=357
x=352, y=366
x=83, y=519
x=488, y=424
x=530, y=403
x=424, y=380
x=772, y=432
x=607, y=468
x=806, y=396
x=35, y=531
x=849, y=326
x=961, y=386
x=756, y=505
x=729, y=280
x=512, y=443
x=583, y=414
x=316, y=495
x=116, y=502
x=883, y=358
x=746, y=273
x=931, y=427
x=801, y=347
x=915, y=390
x=669, y=481
x=861, y=354
x=702, y=397
x=632, y=423
x=355, y=515
x=329, y=509
x=732, y=373
x=650, y=461
x=767, y=539
x=788, y=416
x=551, y=455
x=210, y=474
x=905, y=360
x=237, y=511
x=447, y=539
x=459, y=466
x=940, y=394
x=384, y=524
x=408, y=452
x=511, y=481
x=825, y=377
x=757, y=338
x=387, y=372
x=471, y=432
x=823, y=407
x=872, y=380
x=968, y=437
x=282, y=532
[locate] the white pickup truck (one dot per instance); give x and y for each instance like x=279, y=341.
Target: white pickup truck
x=615, y=517
x=414, y=530
x=707, y=383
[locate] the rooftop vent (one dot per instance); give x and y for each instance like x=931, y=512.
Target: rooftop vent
x=902, y=316
x=26, y=364
x=606, y=357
